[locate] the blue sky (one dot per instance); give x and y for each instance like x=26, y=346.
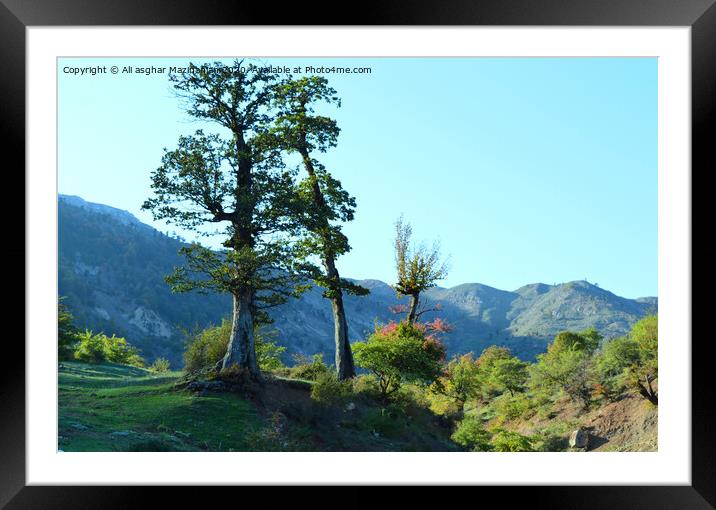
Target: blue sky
x=525, y=169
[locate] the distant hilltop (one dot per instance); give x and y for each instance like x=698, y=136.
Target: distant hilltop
x=112, y=268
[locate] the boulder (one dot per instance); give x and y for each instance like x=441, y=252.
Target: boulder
x=579, y=439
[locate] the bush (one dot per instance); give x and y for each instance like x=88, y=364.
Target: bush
x=508, y=441
x=470, y=433
x=366, y=384
x=513, y=407
x=329, y=390
x=206, y=349
x=400, y=352
x=67, y=334
x=160, y=365
x=93, y=348
x=90, y=348
x=499, y=371
x=568, y=365
x=309, y=369
x=458, y=383
x=631, y=362
x=117, y=350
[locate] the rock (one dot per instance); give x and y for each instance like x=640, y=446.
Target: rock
x=579, y=439
x=351, y=406
x=122, y=433
x=79, y=426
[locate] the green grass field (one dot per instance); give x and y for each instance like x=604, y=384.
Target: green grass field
x=108, y=407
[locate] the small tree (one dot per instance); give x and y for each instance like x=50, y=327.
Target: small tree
x=567, y=365
x=418, y=267
x=459, y=381
x=400, y=352
x=67, y=333
x=631, y=362
x=509, y=374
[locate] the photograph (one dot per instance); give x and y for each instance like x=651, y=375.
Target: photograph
x=357, y=254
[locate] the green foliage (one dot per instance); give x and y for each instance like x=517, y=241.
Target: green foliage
x=510, y=441
x=160, y=365
x=206, y=349
x=329, y=390
x=299, y=129
x=93, y=348
x=631, y=362
x=499, y=371
x=308, y=368
x=568, y=365
x=586, y=342
x=400, y=352
x=90, y=348
x=508, y=374
x=366, y=384
x=459, y=381
x=237, y=179
x=67, y=334
x=509, y=407
x=470, y=433
x=418, y=267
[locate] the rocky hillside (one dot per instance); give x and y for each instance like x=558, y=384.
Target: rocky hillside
x=111, y=270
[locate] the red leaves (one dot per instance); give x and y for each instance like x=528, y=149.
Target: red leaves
x=439, y=325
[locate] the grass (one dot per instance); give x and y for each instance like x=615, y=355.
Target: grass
x=109, y=407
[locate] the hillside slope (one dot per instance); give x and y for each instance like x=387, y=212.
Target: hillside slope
x=112, y=268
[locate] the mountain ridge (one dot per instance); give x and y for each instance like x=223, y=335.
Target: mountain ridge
x=111, y=268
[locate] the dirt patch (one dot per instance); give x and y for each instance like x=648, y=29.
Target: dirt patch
x=630, y=424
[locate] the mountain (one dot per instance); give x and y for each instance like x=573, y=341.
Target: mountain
x=111, y=271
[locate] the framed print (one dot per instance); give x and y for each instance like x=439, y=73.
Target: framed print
x=255, y=248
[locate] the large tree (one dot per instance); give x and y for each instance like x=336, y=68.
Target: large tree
x=302, y=131
x=235, y=179
x=418, y=267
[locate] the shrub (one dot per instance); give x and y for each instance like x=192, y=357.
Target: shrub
x=458, y=383
x=329, y=390
x=631, y=362
x=366, y=384
x=160, y=365
x=93, y=348
x=511, y=407
x=206, y=349
x=117, y=350
x=568, y=365
x=67, y=334
x=499, y=371
x=470, y=433
x=309, y=369
x=397, y=353
x=90, y=348
x=509, y=441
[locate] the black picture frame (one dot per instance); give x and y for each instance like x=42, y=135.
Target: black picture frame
x=700, y=15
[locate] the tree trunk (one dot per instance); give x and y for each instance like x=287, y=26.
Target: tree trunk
x=344, y=356
x=241, y=349
x=648, y=393
x=413, y=311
